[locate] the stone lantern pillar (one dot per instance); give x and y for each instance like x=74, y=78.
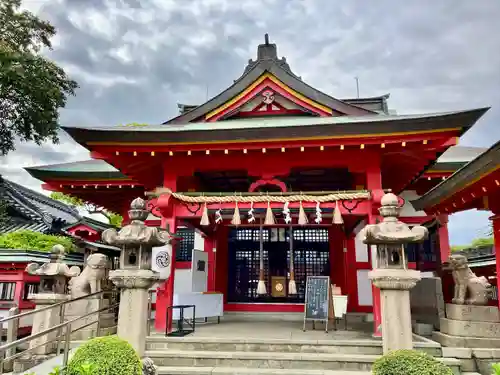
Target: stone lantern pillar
x=54, y=277
x=391, y=274
x=135, y=275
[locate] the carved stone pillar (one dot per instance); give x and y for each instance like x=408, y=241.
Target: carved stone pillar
x=395, y=285
x=391, y=274
x=135, y=276
x=133, y=313
x=54, y=276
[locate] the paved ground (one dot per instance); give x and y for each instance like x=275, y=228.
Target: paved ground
x=281, y=330
x=285, y=329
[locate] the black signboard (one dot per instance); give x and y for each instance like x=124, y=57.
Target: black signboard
x=317, y=299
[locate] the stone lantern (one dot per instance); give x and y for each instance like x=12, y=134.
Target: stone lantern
x=391, y=274
x=135, y=275
x=54, y=277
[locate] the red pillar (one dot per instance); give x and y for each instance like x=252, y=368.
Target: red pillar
x=165, y=292
x=337, y=262
x=374, y=184
x=444, y=238
x=496, y=236
x=209, y=248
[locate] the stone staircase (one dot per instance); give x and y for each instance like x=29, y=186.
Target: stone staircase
x=193, y=355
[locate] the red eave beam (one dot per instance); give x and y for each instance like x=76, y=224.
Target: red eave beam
x=432, y=140
x=477, y=195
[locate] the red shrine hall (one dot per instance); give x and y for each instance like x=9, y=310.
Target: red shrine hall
x=279, y=178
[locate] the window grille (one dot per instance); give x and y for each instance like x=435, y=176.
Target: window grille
x=30, y=288
x=311, y=258
x=7, y=291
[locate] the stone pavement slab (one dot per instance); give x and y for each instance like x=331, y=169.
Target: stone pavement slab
x=171, y=370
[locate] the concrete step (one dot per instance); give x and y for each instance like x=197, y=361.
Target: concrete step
x=166, y=370
x=373, y=347
x=272, y=360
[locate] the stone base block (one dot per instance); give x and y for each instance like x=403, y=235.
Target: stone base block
x=83, y=307
x=24, y=363
x=468, y=365
x=423, y=329
x=462, y=353
x=473, y=313
x=465, y=342
x=468, y=328
x=484, y=365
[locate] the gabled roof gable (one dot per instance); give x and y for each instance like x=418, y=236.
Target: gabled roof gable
x=269, y=66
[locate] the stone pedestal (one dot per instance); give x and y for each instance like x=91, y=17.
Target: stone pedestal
x=45, y=320
x=395, y=285
x=133, y=315
x=473, y=328
x=470, y=327
x=76, y=309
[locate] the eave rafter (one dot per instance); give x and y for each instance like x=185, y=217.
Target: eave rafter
x=482, y=194
x=402, y=141
x=480, y=178
x=108, y=195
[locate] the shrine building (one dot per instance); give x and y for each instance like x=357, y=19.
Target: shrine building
x=279, y=178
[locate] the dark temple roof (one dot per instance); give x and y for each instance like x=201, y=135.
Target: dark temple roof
x=376, y=103
x=480, y=166
x=80, y=170
x=270, y=129
x=97, y=225
x=29, y=210
x=268, y=61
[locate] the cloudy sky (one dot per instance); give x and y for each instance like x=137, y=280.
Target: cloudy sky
x=136, y=59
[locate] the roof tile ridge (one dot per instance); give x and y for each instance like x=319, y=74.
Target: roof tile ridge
x=47, y=200
x=368, y=112
x=21, y=203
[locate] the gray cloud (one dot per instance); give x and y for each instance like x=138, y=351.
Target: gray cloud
x=135, y=60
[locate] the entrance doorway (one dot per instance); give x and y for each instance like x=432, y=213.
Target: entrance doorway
x=311, y=254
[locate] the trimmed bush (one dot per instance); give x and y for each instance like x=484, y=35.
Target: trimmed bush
x=108, y=355
x=409, y=362
x=29, y=240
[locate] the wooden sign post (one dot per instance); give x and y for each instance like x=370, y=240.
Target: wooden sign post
x=317, y=300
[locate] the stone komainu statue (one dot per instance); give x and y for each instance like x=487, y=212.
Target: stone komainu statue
x=90, y=280
x=148, y=367
x=469, y=289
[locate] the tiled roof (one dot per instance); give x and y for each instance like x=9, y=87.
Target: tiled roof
x=476, y=168
x=30, y=210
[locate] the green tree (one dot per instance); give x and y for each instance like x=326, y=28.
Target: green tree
x=113, y=218
x=32, y=87
x=29, y=240
x=482, y=241
x=69, y=199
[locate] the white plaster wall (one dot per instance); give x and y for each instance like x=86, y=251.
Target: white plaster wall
x=365, y=296
x=408, y=210
x=183, y=281
x=360, y=247
x=199, y=241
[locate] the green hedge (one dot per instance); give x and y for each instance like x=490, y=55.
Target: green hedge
x=29, y=240
x=108, y=355
x=409, y=362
